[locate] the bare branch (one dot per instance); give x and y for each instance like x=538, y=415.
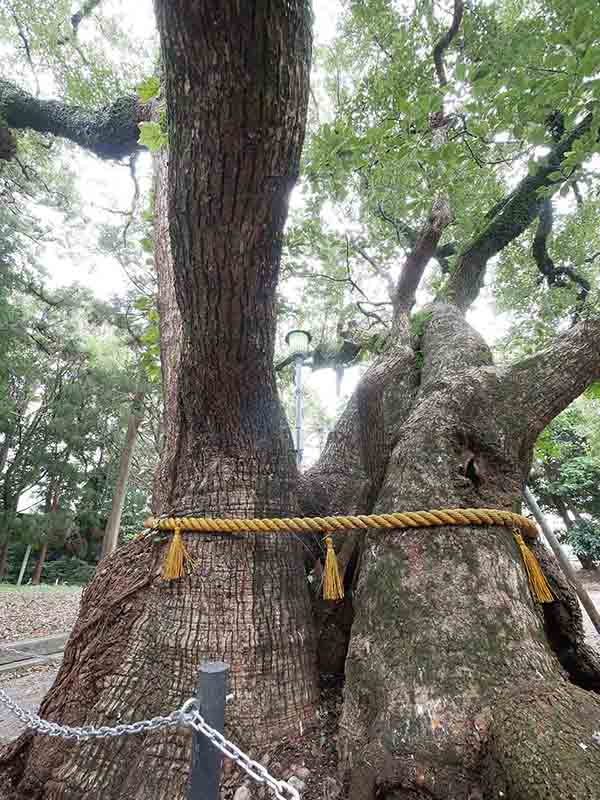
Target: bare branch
x=25, y=40
x=444, y=42
x=136, y=196
x=555, y=276
x=380, y=271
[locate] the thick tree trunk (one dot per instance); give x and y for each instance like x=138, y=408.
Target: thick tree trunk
x=37, y=572
x=237, y=88
x=111, y=533
x=445, y=624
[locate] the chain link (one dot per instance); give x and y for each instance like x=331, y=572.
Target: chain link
x=187, y=716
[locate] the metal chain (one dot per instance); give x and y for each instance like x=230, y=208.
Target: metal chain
x=188, y=716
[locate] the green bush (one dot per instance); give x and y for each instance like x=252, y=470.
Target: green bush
x=584, y=538
x=68, y=570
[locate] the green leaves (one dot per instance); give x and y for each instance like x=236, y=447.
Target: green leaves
x=148, y=89
x=151, y=136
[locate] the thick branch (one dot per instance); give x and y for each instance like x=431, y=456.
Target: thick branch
x=444, y=42
x=423, y=249
x=110, y=132
x=555, y=276
x=544, y=384
x=405, y=234
x=512, y=218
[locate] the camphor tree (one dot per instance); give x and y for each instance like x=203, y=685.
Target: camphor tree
x=452, y=688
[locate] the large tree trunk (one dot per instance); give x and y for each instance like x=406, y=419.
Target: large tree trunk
x=237, y=87
x=445, y=624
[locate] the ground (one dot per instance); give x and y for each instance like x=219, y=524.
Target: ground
x=27, y=612
x=39, y=611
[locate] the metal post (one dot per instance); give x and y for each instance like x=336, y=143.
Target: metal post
x=586, y=600
x=206, y=759
x=23, y=565
x=298, y=382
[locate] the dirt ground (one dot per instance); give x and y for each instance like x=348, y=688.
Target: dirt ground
x=28, y=612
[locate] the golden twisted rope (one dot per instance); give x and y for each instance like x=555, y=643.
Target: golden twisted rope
x=409, y=519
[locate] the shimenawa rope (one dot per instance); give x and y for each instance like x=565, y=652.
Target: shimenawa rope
x=178, y=561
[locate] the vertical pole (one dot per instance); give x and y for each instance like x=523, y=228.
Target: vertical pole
x=298, y=382
x=586, y=600
x=23, y=565
x=206, y=759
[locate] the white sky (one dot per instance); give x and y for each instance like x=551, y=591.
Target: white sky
x=105, y=185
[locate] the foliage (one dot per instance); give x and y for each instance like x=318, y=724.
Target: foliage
x=584, y=538
x=68, y=570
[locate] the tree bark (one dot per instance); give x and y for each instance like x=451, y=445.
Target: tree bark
x=109, y=132
x=37, y=572
x=237, y=89
x=3, y=558
x=444, y=621
x=111, y=533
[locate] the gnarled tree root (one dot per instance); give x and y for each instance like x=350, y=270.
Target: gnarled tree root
x=541, y=748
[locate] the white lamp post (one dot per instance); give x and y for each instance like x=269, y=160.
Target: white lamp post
x=298, y=341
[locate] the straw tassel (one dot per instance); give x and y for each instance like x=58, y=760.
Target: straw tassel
x=537, y=581
x=333, y=588
x=177, y=558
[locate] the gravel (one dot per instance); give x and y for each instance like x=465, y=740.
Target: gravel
x=33, y=611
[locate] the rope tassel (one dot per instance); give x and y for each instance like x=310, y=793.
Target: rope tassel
x=537, y=581
x=177, y=558
x=333, y=588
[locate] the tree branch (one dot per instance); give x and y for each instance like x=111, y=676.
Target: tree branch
x=352, y=464
x=544, y=384
x=423, y=249
x=555, y=276
x=511, y=218
x=444, y=42
x=110, y=132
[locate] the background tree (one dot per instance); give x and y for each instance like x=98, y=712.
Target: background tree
x=566, y=476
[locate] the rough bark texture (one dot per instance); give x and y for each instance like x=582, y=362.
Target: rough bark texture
x=444, y=620
x=109, y=132
x=540, y=745
x=237, y=88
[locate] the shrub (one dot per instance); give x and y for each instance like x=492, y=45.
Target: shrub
x=68, y=570
x=584, y=538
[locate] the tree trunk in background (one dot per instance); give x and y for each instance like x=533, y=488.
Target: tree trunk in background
x=111, y=534
x=236, y=126
x=37, y=572
x=561, y=506
x=3, y=558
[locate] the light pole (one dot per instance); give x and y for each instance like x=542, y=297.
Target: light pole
x=298, y=341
